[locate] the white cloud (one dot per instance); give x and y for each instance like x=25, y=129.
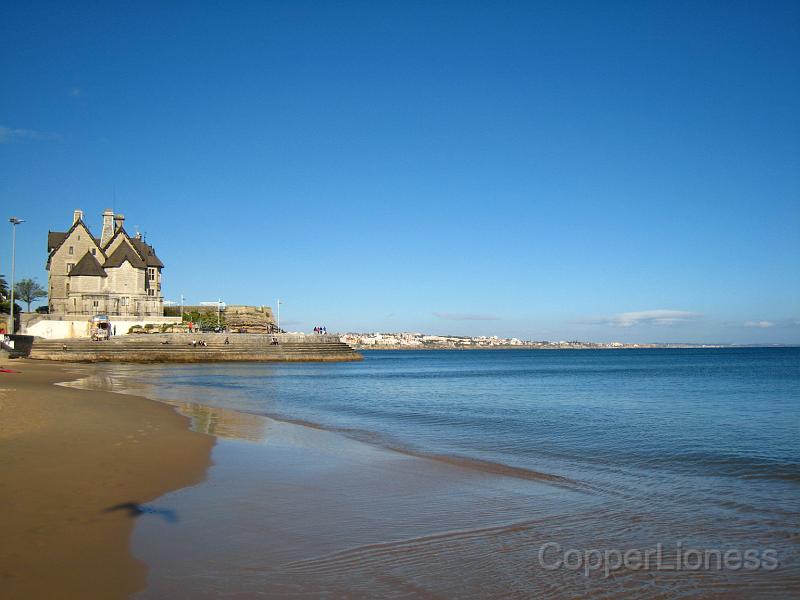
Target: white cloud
x=464, y=317
x=10, y=134
x=659, y=316
x=760, y=324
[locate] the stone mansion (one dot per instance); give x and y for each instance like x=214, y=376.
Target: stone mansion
x=115, y=275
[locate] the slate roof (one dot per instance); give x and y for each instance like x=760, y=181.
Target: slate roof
x=147, y=252
x=88, y=265
x=142, y=255
x=55, y=239
x=121, y=254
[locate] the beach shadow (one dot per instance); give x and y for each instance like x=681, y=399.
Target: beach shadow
x=134, y=510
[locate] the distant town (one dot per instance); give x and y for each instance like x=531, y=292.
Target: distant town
x=421, y=341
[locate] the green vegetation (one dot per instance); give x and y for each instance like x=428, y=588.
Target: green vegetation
x=29, y=291
x=5, y=300
x=204, y=320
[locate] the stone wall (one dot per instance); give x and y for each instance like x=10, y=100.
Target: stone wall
x=179, y=348
x=79, y=242
x=123, y=292
x=80, y=328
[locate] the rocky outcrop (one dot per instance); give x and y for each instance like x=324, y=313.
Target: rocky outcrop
x=250, y=319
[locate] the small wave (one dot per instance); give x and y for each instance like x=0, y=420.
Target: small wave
x=455, y=460
x=421, y=546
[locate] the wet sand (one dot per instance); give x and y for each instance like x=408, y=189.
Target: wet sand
x=74, y=466
x=297, y=512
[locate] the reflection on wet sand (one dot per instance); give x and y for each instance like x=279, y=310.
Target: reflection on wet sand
x=221, y=422
x=224, y=423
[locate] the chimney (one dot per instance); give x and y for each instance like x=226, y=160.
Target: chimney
x=108, y=226
x=119, y=220
x=77, y=215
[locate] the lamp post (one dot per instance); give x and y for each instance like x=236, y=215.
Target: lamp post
x=14, y=222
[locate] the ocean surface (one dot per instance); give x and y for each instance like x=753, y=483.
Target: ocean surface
x=443, y=473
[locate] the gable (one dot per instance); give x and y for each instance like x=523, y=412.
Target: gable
x=88, y=266
x=77, y=234
x=124, y=252
x=115, y=240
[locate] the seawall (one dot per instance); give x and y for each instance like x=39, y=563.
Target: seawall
x=178, y=347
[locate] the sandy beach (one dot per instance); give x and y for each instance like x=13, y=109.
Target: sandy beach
x=75, y=465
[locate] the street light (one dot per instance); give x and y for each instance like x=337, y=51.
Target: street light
x=14, y=222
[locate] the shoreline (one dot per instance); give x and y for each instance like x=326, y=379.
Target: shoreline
x=77, y=463
x=191, y=408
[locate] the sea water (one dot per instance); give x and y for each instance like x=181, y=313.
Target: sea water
x=672, y=450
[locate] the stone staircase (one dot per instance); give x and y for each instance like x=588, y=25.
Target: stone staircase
x=177, y=347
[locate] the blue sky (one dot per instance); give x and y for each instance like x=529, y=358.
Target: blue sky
x=611, y=171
